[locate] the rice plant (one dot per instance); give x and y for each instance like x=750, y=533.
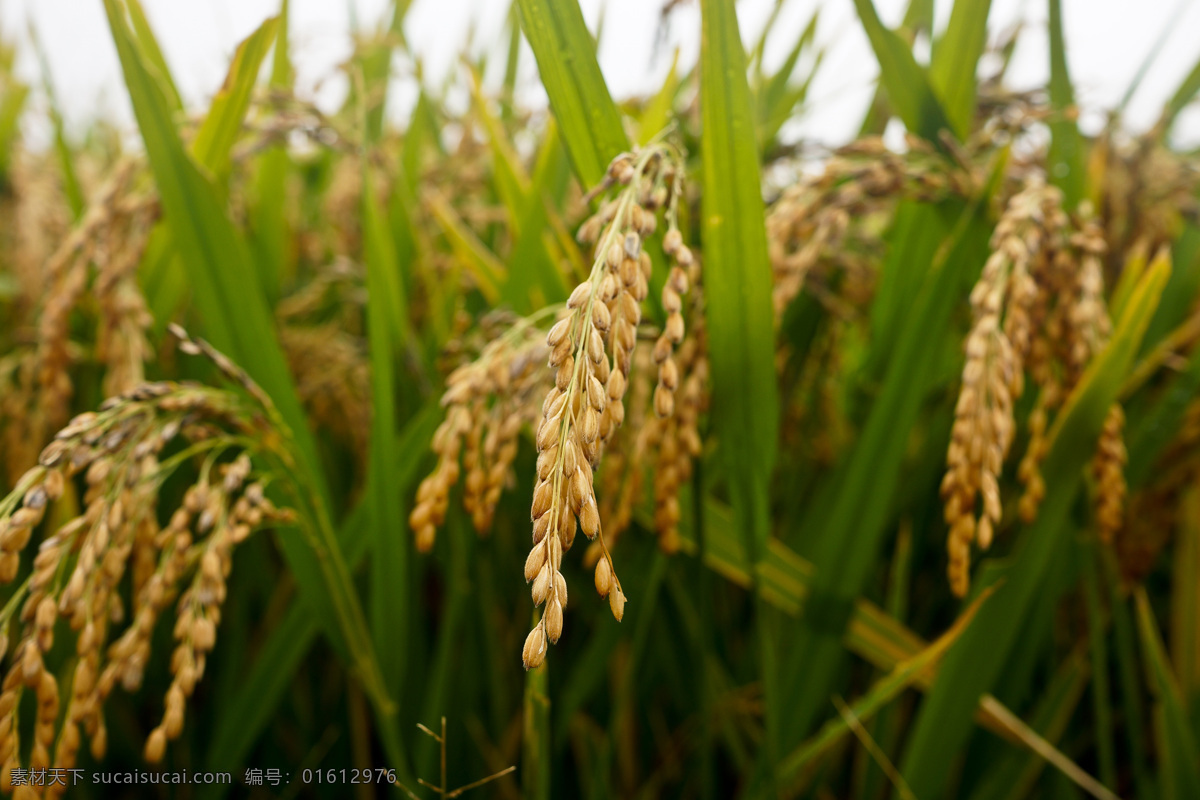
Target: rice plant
x=886, y=457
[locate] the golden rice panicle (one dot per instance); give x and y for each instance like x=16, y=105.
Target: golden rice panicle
x=677, y=441
x=585, y=407
x=1108, y=467
x=233, y=510
x=433, y=495
x=622, y=476
x=81, y=569
x=996, y=349
x=1038, y=306
x=809, y=226
x=1071, y=323
x=1029, y=470
x=487, y=402
x=683, y=274
x=111, y=235
x=333, y=379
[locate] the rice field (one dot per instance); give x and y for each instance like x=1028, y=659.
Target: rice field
x=862, y=471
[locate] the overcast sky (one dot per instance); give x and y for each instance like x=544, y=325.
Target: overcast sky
x=1107, y=40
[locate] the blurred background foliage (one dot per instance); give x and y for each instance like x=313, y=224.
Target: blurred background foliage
x=802, y=639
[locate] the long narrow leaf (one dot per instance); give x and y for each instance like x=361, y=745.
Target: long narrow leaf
x=738, y=287
x=1065, y=162
x=955, y=56
x=882, y=693
x=215, y=139
x=389, y=596
x=1179, y=769
x=588, y=120
x=907, y=85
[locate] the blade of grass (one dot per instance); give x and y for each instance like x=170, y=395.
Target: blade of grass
x=658, y=111
x=1152, y=432
x=1180, y=100
x=386, y=321
x=918, y=19
x=215, y=139
x=1179, y=768
x=777, y=97
x=1065, y=162
x=1182, y=287
x=438, y=690
x=738, y=280
x=533, y=279
x=845, y=533
x=156, y=61
x=1152, y=55
x=953, y=65
x=1049, y=753
x=881, y=693
x=66, y=161
x=972, y=667
x=12, y=103
x=508, y=173
x=588, y=120
x=1185, y=605
x=1016, y=772
x=1128, y=675
x=908, y=87
x=267, y=215
x=886, y=726
x=536, y=752
x=512, y=61
x=162, y=269
x=1101, y=688
x=376, y=64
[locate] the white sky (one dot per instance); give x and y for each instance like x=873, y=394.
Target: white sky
x=1107, y=41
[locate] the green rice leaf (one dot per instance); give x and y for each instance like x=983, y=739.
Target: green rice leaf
x=487, y=270
x=156, y=62
x=1065, y=162
x=843, y=531
x=1185, y=605
x=883, y=692
x=508, y=173
x=777, y=97
x=908, y=87
x=737, y=277
x=1179, y=768
x=536, y=753
x=1016, y=773
x=740, y=317
x=12, y=103
x=588, y=120
x=162, y=270
x=533, y=278
x=268, y=216
x=216, y=137
x=657, y=113
x=66, y=159
x=952, y=69
x=1180, y=100
x=386, y=318
x=918, y=18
